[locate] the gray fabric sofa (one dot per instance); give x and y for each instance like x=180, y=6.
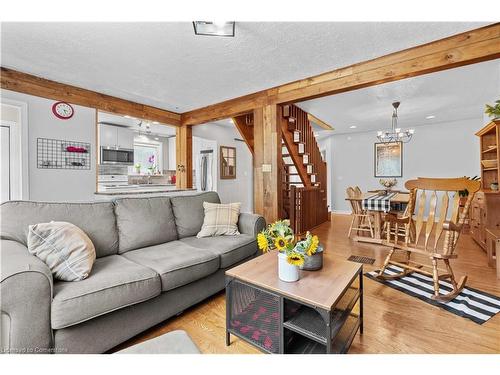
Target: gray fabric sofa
x=150, y=266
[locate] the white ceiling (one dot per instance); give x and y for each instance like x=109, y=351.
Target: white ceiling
x=165, y=65
x=449, y=95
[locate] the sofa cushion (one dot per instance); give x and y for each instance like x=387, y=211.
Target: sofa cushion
x=177, y=263
x=231, y=249
x=115, y=282
x=64, y=248
x=144, y=222
x=220, y=220
x=96, y=219
x=189, y=212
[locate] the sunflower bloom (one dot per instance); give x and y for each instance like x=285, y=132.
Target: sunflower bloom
x=313, y=246
x=281, y=243
x=295, y=259
x=262, y=242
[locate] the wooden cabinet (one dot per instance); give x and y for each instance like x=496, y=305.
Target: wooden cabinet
x=485, y=209
x=489, y=137
x=485, y=213
x=478, y=219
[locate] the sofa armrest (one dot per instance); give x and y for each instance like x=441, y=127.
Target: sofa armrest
x=26, y=287
x=251, y=224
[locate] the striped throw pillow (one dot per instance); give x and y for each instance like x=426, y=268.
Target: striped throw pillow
x=64, y=248
x=220, y=220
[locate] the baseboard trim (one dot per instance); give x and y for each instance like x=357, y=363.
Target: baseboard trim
x=341, y=212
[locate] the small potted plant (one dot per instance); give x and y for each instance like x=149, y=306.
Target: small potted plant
x=292, y=254
x=137, y=167
x=152, y=166
x=493, y=110
x=313, y=252
x=463, y=194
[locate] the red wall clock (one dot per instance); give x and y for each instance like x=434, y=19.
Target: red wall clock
x=63, y=110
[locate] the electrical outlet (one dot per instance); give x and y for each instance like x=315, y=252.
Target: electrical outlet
x=266, y=167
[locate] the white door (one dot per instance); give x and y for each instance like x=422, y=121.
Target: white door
x=5, y=193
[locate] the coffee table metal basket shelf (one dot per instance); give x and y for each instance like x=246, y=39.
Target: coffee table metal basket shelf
x=320, y=313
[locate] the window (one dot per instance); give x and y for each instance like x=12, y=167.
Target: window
x=227, y=162
x=148, y=157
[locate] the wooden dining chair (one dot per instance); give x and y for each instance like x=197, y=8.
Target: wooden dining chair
x=361, y=220
x=434, y=210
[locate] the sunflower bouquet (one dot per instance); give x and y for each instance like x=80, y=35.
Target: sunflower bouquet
x=279, y=235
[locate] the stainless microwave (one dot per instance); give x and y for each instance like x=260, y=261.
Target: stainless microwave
x=122, y=156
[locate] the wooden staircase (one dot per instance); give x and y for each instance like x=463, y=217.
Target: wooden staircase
x=304, y=184
x=303, y=173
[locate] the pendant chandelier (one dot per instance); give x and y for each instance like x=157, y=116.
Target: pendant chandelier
x=395, y=134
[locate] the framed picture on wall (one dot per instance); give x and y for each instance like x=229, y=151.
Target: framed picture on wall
x=227, y=163
x=389, y=159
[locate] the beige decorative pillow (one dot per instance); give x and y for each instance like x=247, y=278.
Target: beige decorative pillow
x=220, y=220
x=65, y=248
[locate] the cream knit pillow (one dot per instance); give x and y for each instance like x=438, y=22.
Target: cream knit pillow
x=220, y=220
x=65, y=248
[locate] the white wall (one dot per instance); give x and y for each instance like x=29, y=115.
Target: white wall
x=241, y=188
x=58, y=184
x=439, y=150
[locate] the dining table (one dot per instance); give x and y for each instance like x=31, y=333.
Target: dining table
x=400, y=197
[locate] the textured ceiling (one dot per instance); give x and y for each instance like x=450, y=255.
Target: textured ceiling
x=165, y=65
x=449, y=95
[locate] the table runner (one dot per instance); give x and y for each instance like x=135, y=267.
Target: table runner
x=378, y=202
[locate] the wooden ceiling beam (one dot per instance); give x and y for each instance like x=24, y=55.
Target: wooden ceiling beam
x=470, y=47
x=319, y=122
x=33, y=85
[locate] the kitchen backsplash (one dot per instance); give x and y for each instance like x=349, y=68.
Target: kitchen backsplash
x=166, y=178
x=113, y=169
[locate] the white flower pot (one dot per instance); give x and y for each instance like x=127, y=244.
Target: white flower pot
x=286, y=271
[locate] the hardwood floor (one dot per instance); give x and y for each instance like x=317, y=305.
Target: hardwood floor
x=394, y=321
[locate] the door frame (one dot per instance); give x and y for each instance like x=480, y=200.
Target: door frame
x=19, y=150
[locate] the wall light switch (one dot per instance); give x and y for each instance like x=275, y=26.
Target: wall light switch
x=266, y=167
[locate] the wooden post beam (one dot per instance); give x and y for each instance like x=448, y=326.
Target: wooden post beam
x=267, y=151
x=184, y=157
x=319, y=122
x=471, y=47
x=32, y=85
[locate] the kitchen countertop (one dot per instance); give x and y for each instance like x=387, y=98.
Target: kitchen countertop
x=126, y=191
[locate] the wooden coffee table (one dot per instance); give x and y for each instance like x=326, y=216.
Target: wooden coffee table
x=320, y=313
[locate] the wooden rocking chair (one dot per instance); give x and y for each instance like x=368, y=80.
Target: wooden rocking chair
x=434, y=239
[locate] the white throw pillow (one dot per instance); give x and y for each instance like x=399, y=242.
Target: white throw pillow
x=65, y=248
x=220, y=220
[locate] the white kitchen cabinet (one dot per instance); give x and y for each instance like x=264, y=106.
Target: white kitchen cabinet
x=116, y=136
x=107, y=135
x=124, y=138
x=172, y=166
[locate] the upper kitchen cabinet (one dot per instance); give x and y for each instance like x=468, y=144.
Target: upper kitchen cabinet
x=116, y=136
x=107, y=135
x=124, y=137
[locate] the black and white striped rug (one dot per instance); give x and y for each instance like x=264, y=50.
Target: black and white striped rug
x=471, y=303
